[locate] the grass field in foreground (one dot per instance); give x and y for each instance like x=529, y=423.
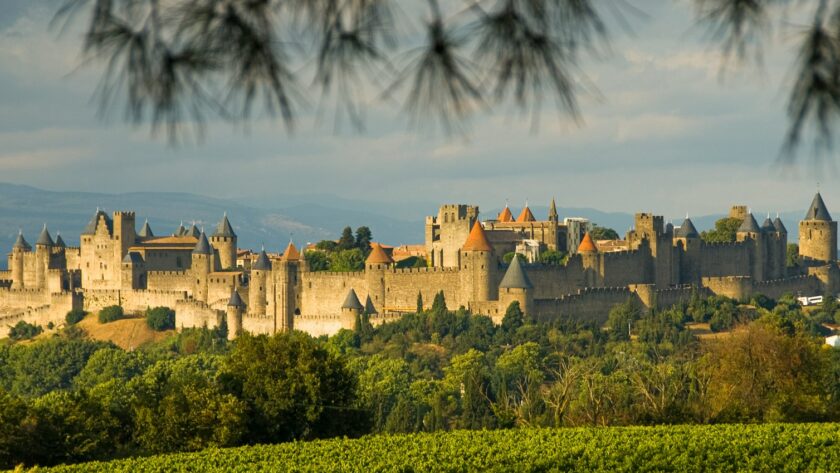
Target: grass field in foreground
x=770, y=447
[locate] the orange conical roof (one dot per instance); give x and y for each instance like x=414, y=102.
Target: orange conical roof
x=477, y=241
x=587, y=245
x=378, y=255
x=291, y=253
x=525, y=216
x=505, y=215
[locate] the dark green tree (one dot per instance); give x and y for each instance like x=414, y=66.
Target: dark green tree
x=514, y=318
x=724, y=232
x=603, y=233
x=347, y=241
x=317, y=260
x=419, y=302
x=160, y=318
x=621, y=319
x=24, y=331
x=363, y=239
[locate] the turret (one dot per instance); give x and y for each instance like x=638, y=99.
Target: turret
x=376, y=264
x=202, y=265
x=286, y=275
x=370, y=309
x=505, y=216
x=817, y=234
x=19, y=250
x=192, y=231
x=516, y=286
x=259, y=285
x=689, y=261
x=749, y=231
x=132, y=272
x=224, y=240
x=552, y=212
x=526, y=215
x=478, y=267
x=350, y=310
x=43, y=250
x=180, y=231
x=235, y=309
x=590, y=260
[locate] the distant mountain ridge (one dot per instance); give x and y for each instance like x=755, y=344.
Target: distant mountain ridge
x=299, y=218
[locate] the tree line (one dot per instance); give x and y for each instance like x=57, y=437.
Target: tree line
x=66, y=399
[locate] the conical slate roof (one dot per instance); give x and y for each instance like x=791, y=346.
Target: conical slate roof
x=132, y=257
x=767, y=225
x=505, y=215
x=525, y=216
x=552, y=209
x=779, y=226
x=203, y=246
x=180, y=231
x=515, y=277
x=477, y=239
x=223, y=229
x=687, y=229
x=378, y=255
x=817, y=210
x=90, y=228
x=235, y=300
x=44, y=238
x=291, y=253
x=262, y=263
x=749, y=225
x=369, y=308
x=352, y=301
x=587, y=245
x=59, y=242
x=193, y=231
x=21, y=242
x=146, y=231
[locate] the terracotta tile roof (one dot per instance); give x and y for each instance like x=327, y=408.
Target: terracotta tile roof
x=378, y=255
x=505, y=215
x=526, y=216
x=477, y=240
x=291, y=253
x=587, y=245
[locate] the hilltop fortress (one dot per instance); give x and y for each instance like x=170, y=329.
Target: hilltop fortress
x=201, y=278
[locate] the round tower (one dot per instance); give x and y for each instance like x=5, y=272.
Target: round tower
x=478, y=267
x=258, y=289
x=689, y=264
x=750, y=233
x=350, y=310
x=224, y=241
x=377, y=263
x=19, y=250
x=516, y=286
x=202, y=264
x=817, y=234
x=286, y=280
x=590, y=260
x=235, y=308
x=43, y=250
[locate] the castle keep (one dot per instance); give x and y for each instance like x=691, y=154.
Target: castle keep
x=198, y=276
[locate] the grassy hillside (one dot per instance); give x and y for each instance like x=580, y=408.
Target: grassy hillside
x=769, y=447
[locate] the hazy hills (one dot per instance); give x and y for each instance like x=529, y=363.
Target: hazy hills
x=273, y=223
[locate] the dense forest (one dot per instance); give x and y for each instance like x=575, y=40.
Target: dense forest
x=65, y=398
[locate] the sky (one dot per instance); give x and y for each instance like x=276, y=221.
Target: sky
x=665, y=133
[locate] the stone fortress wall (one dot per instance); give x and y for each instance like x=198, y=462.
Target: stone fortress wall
x=195, y=274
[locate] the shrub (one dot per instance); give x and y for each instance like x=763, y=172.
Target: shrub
x=75, y=316
x=160, y=318
x=24, y=331
x=110, y=314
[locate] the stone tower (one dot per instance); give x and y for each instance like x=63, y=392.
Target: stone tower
x=43, y=251
x=350, y=310
x=516, y=286
x=817, y=234
x=782, y=235
x=19, y=250
x=124, y=235
x=446, y=233
x=132, y=272
x=377, y=263
x=662, y=271
x=235, y=308
x=478, y=267
x=688, y=238
x=554, y=221
x=258, y=289
x=224, y=241
x=749, y=231
x=202, y=265
x=590, y=261
x=286, y=276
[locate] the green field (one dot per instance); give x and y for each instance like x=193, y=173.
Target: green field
x=769, y=447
